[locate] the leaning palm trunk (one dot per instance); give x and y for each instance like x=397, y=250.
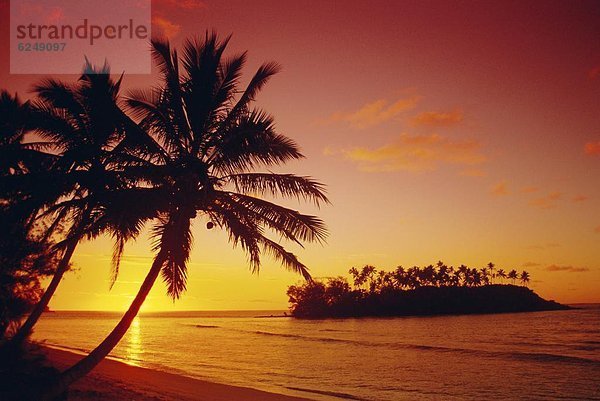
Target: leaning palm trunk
x=25, y=330
x=210, y=150
x=88, y=363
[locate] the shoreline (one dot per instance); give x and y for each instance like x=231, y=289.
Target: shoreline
x=117, y=381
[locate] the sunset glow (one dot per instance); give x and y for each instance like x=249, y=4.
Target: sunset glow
x=466, y=132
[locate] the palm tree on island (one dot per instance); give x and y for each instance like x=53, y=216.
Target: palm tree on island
x=524, y=278
x=491, y=267
x=416, y=291
x=512, y=275
x=211, y=145
x=501, y=273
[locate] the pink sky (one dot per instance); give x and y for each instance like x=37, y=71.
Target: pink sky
x=467, y=131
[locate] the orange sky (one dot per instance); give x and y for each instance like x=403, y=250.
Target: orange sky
x=467, y=131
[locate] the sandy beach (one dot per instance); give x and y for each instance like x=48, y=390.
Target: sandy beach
x=117, y=381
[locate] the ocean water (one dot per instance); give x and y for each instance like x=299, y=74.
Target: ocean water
x=523, y=356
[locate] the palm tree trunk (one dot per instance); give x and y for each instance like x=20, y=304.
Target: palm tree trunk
x=26, y=328
x=88, y=363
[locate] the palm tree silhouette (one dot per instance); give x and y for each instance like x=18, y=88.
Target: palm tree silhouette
x=84, y=125
x=491, y=267
x=212, y=143
x=524, y=277
x=512, y=275
x=463, y=273
x=484, y=275
x=25, y=254
x=501, y=273
x=16, y=156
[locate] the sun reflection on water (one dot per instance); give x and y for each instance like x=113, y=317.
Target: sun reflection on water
x=134, y=348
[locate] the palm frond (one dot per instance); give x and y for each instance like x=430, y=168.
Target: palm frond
x=258, y=81
x=287, y=259
x=292, y=224
x=59, y=95
x=118, y=249
x=54, y=124
x=286, y=185
x=242, y=230
x=252, y=142
x=173, y=237
x=168, y=64
x=202, y=64
x=148, y=106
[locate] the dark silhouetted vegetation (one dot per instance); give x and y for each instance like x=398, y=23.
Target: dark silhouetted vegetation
x=26, y=257
x=194, y=146
x=27, y=252
x=24, y=369
x=430, y=290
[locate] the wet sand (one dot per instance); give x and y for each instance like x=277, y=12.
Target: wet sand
x=117, y=381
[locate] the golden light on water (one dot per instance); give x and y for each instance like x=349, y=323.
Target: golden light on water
x=133, y=340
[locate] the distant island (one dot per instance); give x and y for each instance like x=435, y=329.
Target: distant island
x=432, y=290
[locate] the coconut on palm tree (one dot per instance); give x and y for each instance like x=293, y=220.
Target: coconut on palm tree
x=213, y=164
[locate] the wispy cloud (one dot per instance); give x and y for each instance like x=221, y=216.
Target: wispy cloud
x=592, y=148
x=165, y=26
x=530, y=264
x=579, y=198
x=572, y=269
x=417, y=153
x=547, y=202
x=125, y=259
x=500, y=189
x=373, y=113
x=438, y=118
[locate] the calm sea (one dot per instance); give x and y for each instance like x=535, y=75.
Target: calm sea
x=533, y=356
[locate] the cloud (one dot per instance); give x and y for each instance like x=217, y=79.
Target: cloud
x=374, y=113
x=416, y=153
x=546, y=202
x=530, y=264
x=165, y=26
x=579, y=198
x=597, y=230
x=594, y=72
x=500, y=189
x=572, y=269
x=438, y=118
x=592, y=148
